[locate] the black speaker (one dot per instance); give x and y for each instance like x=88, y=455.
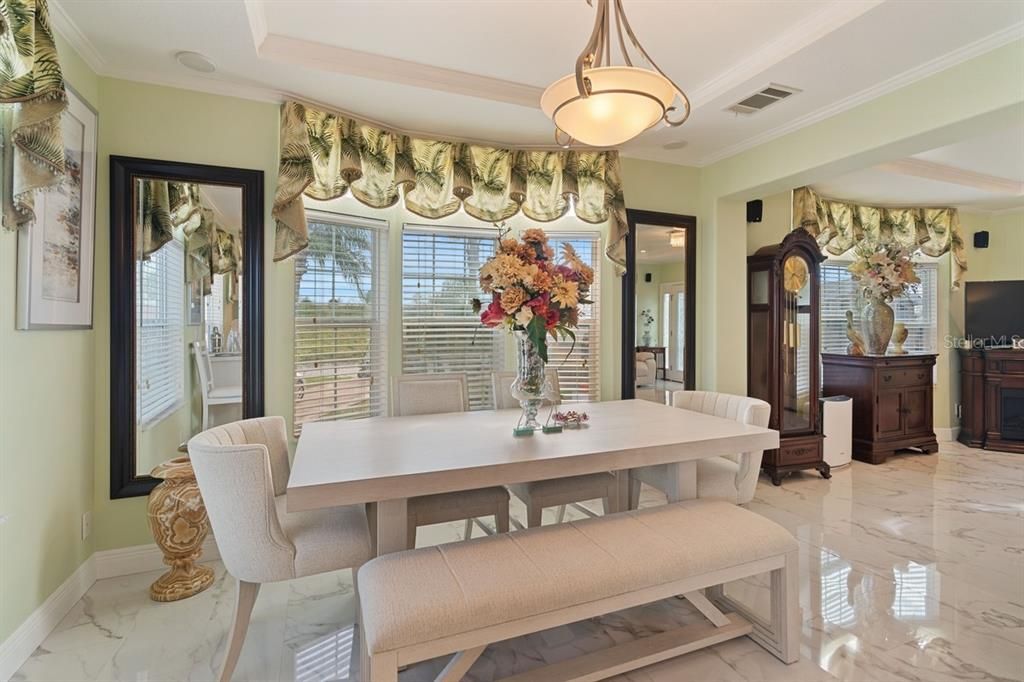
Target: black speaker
x=754, y=210
x=981, y=239
x=648, y=277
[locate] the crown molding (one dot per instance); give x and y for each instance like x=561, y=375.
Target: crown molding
x=323, y=57
x=801, y=35
x=69, y=30
x=920, y=168
x=929, y=68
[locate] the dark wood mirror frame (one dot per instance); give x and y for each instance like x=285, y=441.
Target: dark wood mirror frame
x=683, y=222
x=124, y=171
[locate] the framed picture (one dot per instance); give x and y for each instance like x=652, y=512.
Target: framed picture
x=55, y=253
x=195, y=303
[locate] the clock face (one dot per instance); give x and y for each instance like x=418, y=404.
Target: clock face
x=794, y=274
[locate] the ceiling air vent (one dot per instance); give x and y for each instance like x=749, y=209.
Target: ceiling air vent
x=763, y=98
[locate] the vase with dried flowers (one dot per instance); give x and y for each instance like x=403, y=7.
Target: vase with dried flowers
x=533, y=297
x=883, y=272
x=648, y=319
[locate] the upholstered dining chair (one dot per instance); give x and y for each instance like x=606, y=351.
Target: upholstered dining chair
x=242, y=470
x=212, y=394
x=416, y=394
x=731, y=477
x=555, y=492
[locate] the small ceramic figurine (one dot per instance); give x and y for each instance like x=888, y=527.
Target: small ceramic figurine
x=856, y=346
x=899, y=337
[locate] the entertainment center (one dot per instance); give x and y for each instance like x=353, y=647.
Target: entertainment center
x=992, y=370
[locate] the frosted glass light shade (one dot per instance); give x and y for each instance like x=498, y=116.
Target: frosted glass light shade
x=615, y=111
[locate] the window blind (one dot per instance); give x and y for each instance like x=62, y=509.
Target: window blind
x=440, y=331
x=579, y=374
x=917, y=310
x=159, y=336
x=341, y=320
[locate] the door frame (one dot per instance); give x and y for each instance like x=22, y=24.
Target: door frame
x=635, y=216
x=663, y=289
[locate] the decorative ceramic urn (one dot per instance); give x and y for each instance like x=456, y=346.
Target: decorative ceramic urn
x=177, y=517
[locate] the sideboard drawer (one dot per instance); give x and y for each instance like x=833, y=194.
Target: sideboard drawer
x=900, y=378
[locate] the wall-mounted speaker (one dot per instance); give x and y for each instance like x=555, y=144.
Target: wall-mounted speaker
x=981, y=239
x=754, y=209
x=648, y=277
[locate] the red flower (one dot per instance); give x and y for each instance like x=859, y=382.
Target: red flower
x=551, y=317
x=494, y=315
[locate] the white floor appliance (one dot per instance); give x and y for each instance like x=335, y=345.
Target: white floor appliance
x=837, y=425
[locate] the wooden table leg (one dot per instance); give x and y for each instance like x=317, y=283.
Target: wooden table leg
x=682, y=481
x=622, y=491
x=392, y=525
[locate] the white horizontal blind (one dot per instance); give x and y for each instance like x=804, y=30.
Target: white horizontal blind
x=341, y=320
x=159, y=337
x=918, y=309
x=440, y=331
x=579, y=375
x=214, y=314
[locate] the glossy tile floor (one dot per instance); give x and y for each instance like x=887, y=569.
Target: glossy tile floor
x=912, y=570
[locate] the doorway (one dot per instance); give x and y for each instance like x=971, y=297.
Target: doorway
x=658, y=305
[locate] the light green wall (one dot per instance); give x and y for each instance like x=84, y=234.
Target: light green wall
x=46, y=435
x=776, y=222
x=648, y=294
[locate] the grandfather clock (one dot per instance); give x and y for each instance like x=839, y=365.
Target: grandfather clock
x=783, y=330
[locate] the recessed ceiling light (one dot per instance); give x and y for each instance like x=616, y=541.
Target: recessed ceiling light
x=195, y=61
x=643, y=250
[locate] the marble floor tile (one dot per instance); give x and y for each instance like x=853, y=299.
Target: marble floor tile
x=910, y=571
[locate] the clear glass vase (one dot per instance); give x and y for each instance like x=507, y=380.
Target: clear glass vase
x=530, y=385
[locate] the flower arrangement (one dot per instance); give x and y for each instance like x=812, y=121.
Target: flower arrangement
x=571, y=419
x=883, y=272
x=530, y=292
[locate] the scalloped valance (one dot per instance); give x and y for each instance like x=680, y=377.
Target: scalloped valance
x=326, y=154
x=31, y=80
x=840, y=225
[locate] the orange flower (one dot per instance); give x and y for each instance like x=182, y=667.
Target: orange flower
x=512, y=299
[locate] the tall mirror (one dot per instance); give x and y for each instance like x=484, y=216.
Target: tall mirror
x=186, y=330
x=658, y=328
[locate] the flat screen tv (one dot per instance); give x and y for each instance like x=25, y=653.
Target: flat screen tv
x=994, y=312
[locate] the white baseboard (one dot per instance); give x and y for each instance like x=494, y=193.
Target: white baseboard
x=141, y=559
x=947, y=434
x=16, y=649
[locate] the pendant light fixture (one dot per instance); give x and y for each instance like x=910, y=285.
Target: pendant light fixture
x=604, y=105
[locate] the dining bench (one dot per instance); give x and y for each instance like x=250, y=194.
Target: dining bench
x=458, y=598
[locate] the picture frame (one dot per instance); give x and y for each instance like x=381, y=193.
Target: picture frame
x=56, y=252
x=196, y=304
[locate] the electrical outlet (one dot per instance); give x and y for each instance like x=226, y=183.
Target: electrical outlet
x=86, y=525
x=959, y=411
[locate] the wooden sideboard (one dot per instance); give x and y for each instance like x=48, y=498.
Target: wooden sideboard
x=892, y=401
x=992, y=399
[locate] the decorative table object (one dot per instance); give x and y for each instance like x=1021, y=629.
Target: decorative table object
x=883, y=272
x=177, y=518
x=648, y=319
x=533, y=297
x=856, y=345
x=571, y=419
x=899, y=337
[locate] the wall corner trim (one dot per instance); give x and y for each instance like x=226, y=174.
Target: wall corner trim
x=947, y=434
x=17, y=648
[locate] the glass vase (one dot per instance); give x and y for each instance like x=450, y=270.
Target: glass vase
x=877, y=321
x=530, y=385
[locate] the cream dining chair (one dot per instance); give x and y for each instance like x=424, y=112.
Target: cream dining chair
x=730, y=477
x=242, y=469
x=554, y=492
x=416, y=394
x=211, y=393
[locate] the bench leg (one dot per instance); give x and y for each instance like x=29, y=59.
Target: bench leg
x=785, y=585
x=459, y=665
x=380, y=667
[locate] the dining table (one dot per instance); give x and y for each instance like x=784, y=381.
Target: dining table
x=387, y=460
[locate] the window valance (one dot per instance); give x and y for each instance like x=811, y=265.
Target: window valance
x=840, y=225
x=167, y=207
x=326, y=154
x=31, y=80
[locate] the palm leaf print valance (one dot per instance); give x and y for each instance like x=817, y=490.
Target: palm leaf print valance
x=840, y=225
x=31, y=80
x=325, y=154
x=169, y=207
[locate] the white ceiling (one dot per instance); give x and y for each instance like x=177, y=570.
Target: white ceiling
x=985, y=173
x=475, y=70
x=226, y=202
x=653, y=246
